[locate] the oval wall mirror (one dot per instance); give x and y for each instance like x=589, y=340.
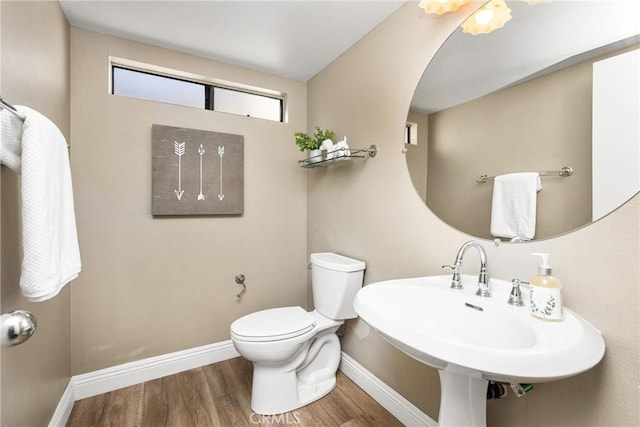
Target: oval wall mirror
x=556, y=87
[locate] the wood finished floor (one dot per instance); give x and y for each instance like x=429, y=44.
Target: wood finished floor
x=220, y=395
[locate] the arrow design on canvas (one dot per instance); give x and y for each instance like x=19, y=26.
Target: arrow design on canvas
x=221, y=154
x=179, y=149
x=201, y=152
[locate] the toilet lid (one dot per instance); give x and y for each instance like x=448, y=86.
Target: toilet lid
x=273, y=324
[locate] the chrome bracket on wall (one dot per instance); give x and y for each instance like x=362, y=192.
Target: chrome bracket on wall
x=16, y=327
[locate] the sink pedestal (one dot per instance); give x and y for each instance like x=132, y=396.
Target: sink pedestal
x=463, y=397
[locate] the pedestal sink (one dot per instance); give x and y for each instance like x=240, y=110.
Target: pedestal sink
x=472, y=339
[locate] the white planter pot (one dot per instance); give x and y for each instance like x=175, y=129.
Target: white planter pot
x=314, y=155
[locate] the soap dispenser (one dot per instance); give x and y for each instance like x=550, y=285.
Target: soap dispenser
x=546, y=292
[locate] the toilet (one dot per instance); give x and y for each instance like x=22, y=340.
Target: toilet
x=296, y=353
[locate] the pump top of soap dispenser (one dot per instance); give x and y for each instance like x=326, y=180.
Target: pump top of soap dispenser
x=544, y=269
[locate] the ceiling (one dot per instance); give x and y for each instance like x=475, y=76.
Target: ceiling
x=298, y=38
x=294, y=39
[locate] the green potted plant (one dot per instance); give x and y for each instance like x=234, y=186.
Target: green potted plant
x=305, y=142
x=313, y=144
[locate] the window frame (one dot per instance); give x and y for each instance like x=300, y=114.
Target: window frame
x=209, y=85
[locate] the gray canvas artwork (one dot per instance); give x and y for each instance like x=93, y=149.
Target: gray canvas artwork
x=196, y=172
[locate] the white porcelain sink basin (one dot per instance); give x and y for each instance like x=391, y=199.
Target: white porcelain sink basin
x=438, y=325
x=473, y=339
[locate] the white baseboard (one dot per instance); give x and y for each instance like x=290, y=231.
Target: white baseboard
x=128, y=374
x=406, y=412
x=65, y=405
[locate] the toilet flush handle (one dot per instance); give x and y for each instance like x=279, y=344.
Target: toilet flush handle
x=240, y=281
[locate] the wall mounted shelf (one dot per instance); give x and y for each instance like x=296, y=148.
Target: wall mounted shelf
x=322, y=161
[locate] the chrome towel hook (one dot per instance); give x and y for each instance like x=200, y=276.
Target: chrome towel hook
x=16, y=327
x=240, y=281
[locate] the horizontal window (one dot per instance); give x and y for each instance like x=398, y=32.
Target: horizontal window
x=248, y=104
x=174, y=90
x=138, y=84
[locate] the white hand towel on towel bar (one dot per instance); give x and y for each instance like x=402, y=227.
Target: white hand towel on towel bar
x=513, y=209
x=51, y=257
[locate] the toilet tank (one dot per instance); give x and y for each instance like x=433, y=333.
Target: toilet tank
x=335, y=280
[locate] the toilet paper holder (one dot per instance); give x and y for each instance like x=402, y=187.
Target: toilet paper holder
x=16, y=327
x=240, y=281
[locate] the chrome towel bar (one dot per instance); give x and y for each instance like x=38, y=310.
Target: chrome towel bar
x=10, y=108
x=564, y=172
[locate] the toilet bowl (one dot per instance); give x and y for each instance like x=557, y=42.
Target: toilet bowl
x=295, y=353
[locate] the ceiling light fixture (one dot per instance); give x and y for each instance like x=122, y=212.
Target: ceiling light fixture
x=441, y=6
x=489, y=17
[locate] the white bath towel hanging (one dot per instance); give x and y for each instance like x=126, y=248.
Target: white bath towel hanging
x=51, y=256
x=514, y=204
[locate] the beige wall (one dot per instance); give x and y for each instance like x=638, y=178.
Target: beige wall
x=35, y=72
x=152, y=286
x=370, y=210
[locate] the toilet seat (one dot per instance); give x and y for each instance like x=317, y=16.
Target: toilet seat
x=273, y=324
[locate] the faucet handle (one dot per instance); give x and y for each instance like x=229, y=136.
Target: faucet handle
x=515, y=297
x=455, y=280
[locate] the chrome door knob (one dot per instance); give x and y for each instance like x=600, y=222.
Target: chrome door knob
x=16, y=327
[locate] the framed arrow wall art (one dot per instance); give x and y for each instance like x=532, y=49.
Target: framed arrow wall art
x=196, y=172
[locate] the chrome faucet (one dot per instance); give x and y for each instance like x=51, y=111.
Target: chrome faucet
x=483, y=286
